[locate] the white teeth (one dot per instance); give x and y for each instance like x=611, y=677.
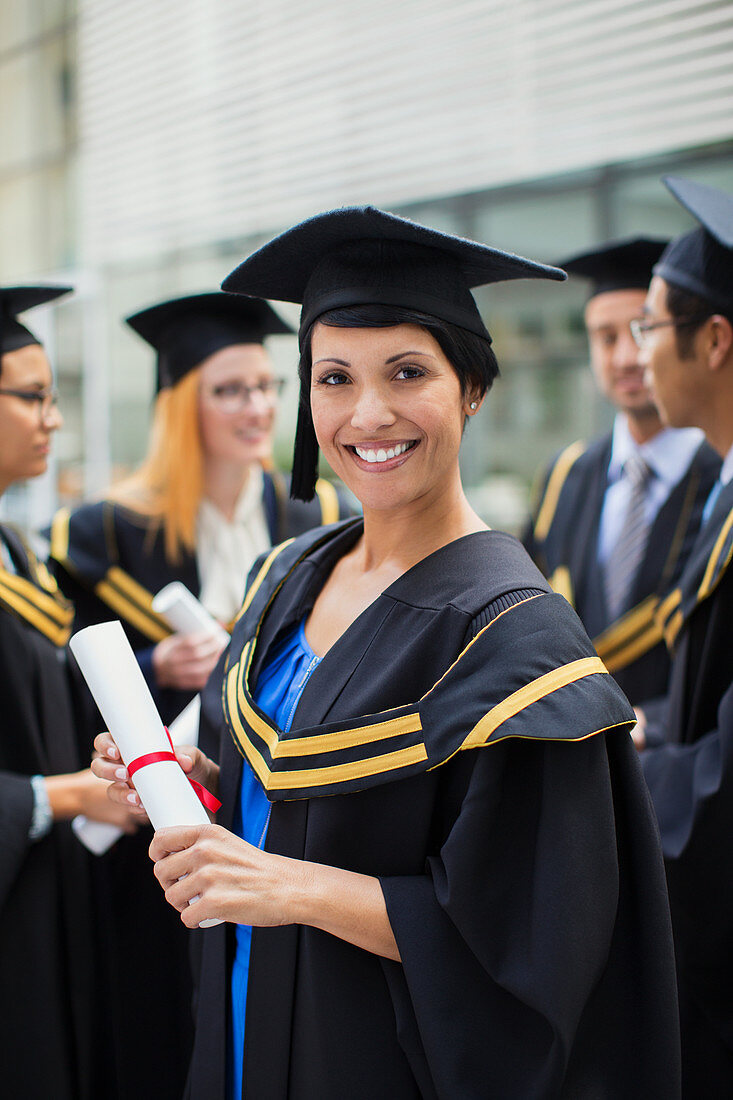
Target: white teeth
x=381, y=455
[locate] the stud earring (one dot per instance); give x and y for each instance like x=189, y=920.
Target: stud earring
x=473, y=405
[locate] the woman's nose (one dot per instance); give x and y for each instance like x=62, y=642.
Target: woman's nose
x=372, y=410
x=52, y=419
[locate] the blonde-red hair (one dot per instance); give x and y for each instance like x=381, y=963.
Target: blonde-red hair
x=169, y=484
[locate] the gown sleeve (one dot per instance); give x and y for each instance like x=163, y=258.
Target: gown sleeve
x=692, y=788
x=16, y=796
x=536, y=948
x=16, y=812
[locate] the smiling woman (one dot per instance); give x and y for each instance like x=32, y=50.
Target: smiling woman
x=435, y=853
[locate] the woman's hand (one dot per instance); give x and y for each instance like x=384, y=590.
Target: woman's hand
x=107, y=764
x=638, y=733
x=185, y=661
x=229, y=878
x=83, y=793
x=95, y=804
x=208, y=872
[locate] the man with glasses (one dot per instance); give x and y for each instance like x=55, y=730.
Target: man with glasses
x=615, y=520
x=686, y=339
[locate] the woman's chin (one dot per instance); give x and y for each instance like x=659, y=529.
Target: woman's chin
x=35, y=467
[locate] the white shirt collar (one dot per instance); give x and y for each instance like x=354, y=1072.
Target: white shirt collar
x=248, y=501
x=225, y=552
x=669, y=452
x=726, y=470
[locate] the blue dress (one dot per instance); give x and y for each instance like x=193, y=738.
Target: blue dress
x=279, y=688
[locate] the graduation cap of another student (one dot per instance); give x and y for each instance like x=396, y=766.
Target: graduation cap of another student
x=359, y=255
x=185, y=331
x=15, y=300
x=617, y=265
x=701, y=262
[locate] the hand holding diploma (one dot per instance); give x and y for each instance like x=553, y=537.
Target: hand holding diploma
x=109, y=666
x=232, y=879
x=108, y=764
x=186, y=659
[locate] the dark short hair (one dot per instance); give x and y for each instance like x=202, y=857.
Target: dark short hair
x=682, y=304
x=471, y=356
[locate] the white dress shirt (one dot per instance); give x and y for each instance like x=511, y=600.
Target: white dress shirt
x=5, y=557
x=725, y=475
x=726, y=470
x=668, y=454
x=225, y=552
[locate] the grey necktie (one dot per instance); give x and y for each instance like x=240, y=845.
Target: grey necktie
x=625, y=558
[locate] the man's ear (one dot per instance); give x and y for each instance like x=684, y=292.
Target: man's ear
x=720, y=340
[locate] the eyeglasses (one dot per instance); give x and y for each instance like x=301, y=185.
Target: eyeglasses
x=46, y=401
x=234, y=397
x=641, y=329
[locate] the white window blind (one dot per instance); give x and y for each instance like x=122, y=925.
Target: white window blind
x=204, y=120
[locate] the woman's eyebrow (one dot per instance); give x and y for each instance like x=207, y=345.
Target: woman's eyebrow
x=33, y=384
x=392, y=358
x=402, y=354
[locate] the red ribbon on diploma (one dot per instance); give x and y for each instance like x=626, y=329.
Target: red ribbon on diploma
x=206, y=798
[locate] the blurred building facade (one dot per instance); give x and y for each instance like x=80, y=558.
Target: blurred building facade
x=150, y=146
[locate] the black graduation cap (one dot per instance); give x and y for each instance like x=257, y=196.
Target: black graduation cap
x=185, y=331
x=617, y=265
x=359, y=255
x=701, y=262
x=15, y=300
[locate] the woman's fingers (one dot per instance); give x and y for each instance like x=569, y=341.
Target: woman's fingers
x=111, y=770
x=107, y=763
x=208, y=872
x=185, y=661
x=178, y=838
x=105, y=747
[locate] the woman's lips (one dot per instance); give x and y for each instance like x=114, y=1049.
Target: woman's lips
x=382, y=454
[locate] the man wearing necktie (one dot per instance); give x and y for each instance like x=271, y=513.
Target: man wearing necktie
x=686, y=340
x=615, y=519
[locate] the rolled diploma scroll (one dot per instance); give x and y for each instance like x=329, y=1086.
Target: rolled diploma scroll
x=99, y=836
x=184, y=614
x=108, y=664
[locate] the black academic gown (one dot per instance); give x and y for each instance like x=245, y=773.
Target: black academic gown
x=563, y=541
x=522, y=877
x=111, y=562
x=691, y=782
x=49, y=1015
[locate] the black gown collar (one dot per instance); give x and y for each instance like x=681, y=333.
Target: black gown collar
x=31, y=593
x=467, y=708
x=710, y=558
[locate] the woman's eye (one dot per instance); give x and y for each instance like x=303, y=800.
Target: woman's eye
x=230, y=389
x=333, y=378
x=410, y=372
